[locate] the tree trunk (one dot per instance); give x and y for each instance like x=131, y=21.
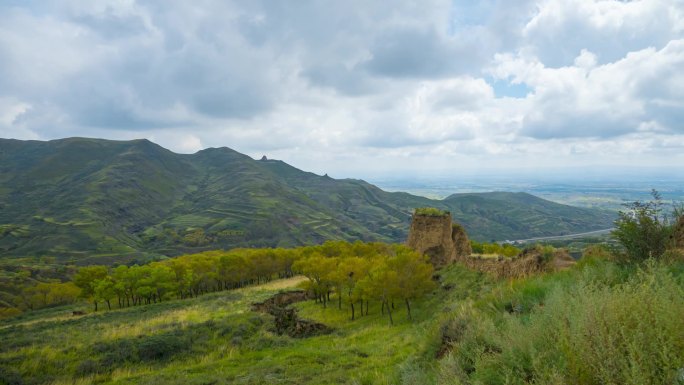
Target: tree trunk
x=109, y=305
x=352, y=307
x=389, y=311
x=339, y=301
x=408, y=308
x=95, y=305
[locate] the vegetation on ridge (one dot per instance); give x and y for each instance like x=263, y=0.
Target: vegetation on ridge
x=430, y=212
x=90, y=201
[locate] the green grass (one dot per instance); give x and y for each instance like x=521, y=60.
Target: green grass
x=596, y=323
x=218, y=339
x=430, y=212
x=599, y=323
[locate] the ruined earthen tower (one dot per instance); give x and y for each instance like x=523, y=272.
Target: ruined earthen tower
x=433, y=234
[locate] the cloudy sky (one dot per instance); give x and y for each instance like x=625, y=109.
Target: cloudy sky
x=356, y=88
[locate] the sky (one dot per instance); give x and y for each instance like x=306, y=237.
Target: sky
x=356, y=88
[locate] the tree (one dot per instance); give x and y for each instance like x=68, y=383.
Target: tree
x=63, y=293
x=104, y=290
x=382, y=283
x=86, y=279
x=345, y=277
x=317, y=268
x=163, y=280
x=642, y=229
x=414, y=275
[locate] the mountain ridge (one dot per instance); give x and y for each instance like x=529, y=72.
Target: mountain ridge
x=88, y=199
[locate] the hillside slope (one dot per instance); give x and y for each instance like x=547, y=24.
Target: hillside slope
x=98, y=200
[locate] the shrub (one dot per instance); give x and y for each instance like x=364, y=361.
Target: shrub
x=116, y=353
x=160, y=347
x=589, y=331
x=10, y=376
x=88, y=367
x=430, y=212
x=643, y=230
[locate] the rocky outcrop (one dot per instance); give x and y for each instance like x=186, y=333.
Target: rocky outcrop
x=286, y=319
x=435, y=235
x=432, y=235
x=461, y=241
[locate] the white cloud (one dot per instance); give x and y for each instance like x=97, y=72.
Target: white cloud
x=355, y=87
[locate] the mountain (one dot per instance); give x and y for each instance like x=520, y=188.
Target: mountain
x=94, y=200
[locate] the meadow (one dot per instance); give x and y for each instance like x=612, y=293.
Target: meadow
x=600, y=322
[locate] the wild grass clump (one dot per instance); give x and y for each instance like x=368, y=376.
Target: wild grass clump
x=585, y=331
x=430, y=212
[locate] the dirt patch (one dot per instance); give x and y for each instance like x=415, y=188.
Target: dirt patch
x=286, y=319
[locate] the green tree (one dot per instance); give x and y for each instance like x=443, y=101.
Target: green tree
x=86, y=278
x=642, y=229
x=414, y=275
x=350, y=271
x=63, y=293
x=104, y=290
x=382, y=283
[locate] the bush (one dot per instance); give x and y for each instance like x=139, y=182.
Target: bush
x=88, y=367
x=116, y=353
x=160, y=347
x=588, y=331
x=430, y=212
x=10, y=376
x=643, y=230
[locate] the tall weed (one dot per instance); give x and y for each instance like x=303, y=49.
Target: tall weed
x=613, y=325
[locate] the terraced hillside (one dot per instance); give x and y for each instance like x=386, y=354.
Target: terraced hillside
x=93, y=200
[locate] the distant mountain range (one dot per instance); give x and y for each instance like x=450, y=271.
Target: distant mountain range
x=94, y=200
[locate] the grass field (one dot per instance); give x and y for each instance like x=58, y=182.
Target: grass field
x=484, y=332
x=217, y=339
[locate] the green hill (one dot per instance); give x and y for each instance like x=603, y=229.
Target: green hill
x=93, y=200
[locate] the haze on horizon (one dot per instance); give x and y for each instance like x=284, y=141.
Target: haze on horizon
x=357, y=88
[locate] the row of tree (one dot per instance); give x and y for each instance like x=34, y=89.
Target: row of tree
x=384, y=274
x=196, y=274
x=183, y=276
x=355, y=273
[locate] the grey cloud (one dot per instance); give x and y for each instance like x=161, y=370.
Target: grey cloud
x=420, y=53
x=669, y=116
x=554, y=124
x=111, y=26
x=234, y=73
x=136, y=73
x=340, y=78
